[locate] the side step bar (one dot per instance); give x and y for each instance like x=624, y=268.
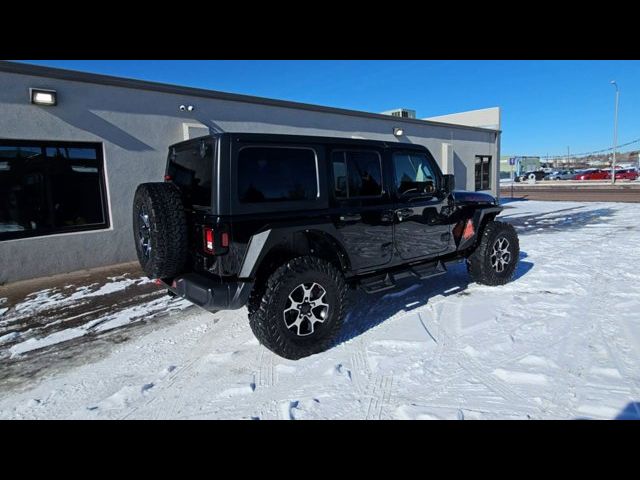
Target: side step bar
x=387, y=281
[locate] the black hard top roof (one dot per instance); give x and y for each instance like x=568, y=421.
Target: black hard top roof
x=286, y=138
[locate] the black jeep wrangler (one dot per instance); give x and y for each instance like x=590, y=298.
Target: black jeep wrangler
x=287, y=224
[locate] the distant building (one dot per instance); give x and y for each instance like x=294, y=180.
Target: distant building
x=401, y=112
x=522, y=165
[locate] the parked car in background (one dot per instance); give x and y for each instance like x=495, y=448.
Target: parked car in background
x=561, y=175
x=626, y=174
x=595, y=174
x=539, y=174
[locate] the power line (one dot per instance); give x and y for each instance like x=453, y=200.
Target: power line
x=585, y=154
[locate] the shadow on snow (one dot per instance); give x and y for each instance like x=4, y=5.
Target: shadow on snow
x=567, y=219
x=370, y=310
x=630, y=412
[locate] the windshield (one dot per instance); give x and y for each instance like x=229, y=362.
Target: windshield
x=190, y=167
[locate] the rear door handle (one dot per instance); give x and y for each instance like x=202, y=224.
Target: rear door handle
x=351, y=217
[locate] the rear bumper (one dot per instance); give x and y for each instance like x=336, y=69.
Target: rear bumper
x=211, y=294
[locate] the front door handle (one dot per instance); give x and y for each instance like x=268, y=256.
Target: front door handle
x=404, y=213
x=350, y=217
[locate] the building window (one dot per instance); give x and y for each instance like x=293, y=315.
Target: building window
x=51, y=187
x=276, y=174
x=483, y=172
x=357, y=174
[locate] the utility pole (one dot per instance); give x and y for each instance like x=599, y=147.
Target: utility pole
x=615, y=135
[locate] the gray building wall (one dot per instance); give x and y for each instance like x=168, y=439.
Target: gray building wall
x=137, y=125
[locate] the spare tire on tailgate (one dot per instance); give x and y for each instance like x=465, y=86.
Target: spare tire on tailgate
x=160, y=229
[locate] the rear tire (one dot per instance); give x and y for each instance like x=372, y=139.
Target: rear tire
x=495, y=259
x=160, y=230
x=291, y=319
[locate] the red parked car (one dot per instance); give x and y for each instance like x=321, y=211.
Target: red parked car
x=628, y=174
x=593, y=175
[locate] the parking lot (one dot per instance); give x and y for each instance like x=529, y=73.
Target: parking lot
x=561, y=341
x=576, y=191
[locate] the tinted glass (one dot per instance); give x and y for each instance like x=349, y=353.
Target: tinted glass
x=483, y=173
x=414, y=174
x=365, y=174
x=191, y=169
x=274, y=174
x=49, y=188
x=339, y=175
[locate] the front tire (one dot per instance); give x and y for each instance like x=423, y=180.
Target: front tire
x=495, y=259
x=302, y=309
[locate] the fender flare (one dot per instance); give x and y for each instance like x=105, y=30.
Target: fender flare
x=478, y=217
x=262, y=243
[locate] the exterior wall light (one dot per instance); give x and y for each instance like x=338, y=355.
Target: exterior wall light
x=398, y=132
x=40, y=96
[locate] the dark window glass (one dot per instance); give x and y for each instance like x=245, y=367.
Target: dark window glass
x=356, y=174
x=414, y=174
x=483, y=172
x=191, y=169
x=340, y=175
x=274, y=174
x=365, y=174
x=49, y=187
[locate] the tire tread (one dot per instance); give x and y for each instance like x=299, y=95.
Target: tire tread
x=267, y=331
x=477, y=263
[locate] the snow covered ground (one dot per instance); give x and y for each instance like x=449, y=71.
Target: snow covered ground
x=561, y=341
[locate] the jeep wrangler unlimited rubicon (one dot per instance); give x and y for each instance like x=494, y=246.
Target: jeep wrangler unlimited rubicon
x=287, y=224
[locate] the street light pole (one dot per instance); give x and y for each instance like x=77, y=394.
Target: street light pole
x=615, y=135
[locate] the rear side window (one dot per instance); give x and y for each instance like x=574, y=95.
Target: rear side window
x=277, y=174
x=191, y=169
x=356, y=174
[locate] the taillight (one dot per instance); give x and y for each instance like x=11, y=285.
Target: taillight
x=224, y=239
x=208, y=240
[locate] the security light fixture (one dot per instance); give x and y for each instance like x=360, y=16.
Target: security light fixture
x=40, y=96
x=398, y=132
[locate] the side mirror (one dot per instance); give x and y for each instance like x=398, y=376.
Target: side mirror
x=449, y=184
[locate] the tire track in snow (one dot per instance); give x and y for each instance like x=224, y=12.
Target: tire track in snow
x=177, y=376
x=612, y=344
x=468, y=365
x=379, y=393
x=589, y=310
x=360, y=368
x=266, y=373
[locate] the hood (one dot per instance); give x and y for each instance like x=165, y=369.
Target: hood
x=464, y=197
